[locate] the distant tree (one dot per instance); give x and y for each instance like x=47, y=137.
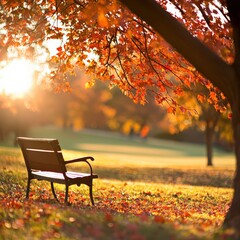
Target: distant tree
x=15, y=118
x=5, y=115
x=210, y=117
x=90, y=103
x=207, y=119
x=125, y=111
x=97, y=107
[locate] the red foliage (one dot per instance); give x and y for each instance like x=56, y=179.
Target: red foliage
x=127, y=52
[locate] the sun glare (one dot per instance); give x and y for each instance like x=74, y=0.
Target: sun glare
x=16, y=78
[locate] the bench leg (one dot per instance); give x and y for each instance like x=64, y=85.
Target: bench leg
x=91, y=195
x=53, y=191
x=66, y=195
x=55, y=195
x=28, y=188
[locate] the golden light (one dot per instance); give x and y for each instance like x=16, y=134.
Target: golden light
x=16, y=78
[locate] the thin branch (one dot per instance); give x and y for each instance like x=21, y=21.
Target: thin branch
x=177, y=6
x=155, y=61
x=116, y=71
x=148, y=57
x=204, y=15
x=78, y=2
x=140, y=22
x=109, y=49
x=124, y=73
x=221, y=11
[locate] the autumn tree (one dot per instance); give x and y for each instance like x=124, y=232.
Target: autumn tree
x=206, y=119
x=127, y=112
x=94, y=106
x=128, y=49
x=209, y=62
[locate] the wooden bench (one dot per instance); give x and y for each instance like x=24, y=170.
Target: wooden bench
x=44, y=161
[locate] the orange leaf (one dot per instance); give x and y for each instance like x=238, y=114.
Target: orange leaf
x=59, y=49
x=213, y=96
x=159, y=219
x=102, y=20
x=201, y=98
x=171, y=110
x=89, y=84
x=186, y=214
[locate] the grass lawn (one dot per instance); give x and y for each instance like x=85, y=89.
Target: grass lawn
x=146, y=190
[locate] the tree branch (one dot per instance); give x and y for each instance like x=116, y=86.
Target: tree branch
x=221, y=10
x=204, y=15
x=177, y=6
x=208, y=63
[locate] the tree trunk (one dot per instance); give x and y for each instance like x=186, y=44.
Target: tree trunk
x=232, y=218
x=211, y=117
x=209, y=143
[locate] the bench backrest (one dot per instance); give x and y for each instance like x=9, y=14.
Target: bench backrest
x=42, y=154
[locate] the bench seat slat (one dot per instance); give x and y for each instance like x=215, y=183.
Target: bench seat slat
x=59, y=178
x=57, y=175
x=77, y=175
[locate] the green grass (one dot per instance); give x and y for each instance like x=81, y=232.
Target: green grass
x=146, y=190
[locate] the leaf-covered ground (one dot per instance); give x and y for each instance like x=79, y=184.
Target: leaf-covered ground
x=146, y=190
x=123, y=209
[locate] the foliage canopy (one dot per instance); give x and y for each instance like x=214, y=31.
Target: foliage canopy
x=117, y=46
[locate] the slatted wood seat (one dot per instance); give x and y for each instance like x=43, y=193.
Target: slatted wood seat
x=44, y=161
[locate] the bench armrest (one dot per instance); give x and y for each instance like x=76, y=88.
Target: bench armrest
x=83, y=159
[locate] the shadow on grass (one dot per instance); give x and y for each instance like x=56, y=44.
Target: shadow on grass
x=194, y=177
